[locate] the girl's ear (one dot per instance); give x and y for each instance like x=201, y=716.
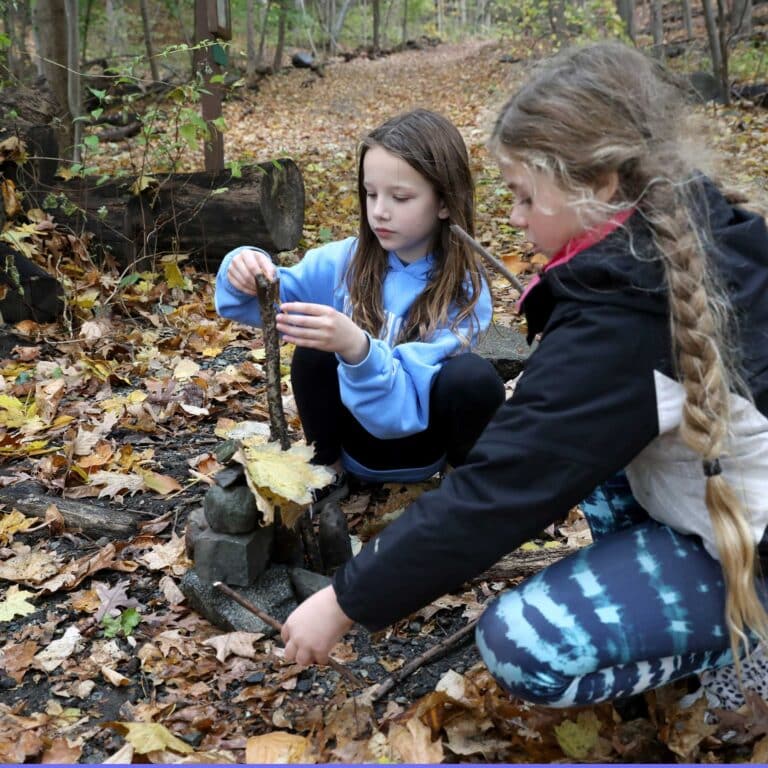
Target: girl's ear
x=442, y=211
x=607, y=186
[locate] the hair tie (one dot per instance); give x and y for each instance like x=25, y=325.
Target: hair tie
x=712, y=468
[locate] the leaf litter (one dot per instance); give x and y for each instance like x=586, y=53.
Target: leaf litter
x=101, y=660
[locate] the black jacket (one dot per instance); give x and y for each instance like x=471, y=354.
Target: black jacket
x=589, y=404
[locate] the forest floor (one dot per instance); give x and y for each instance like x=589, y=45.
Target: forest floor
x=123, y=408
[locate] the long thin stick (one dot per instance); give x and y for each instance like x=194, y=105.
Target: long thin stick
x=472, y=243
x=275, y=624
x=386, y=685
x=268, y=293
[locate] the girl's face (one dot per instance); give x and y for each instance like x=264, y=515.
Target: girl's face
x=541, y=209
x=402, y=208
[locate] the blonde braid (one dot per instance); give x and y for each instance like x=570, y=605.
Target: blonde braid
x=698, y=336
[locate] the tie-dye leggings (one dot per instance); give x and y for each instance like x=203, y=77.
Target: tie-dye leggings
x=640, y=607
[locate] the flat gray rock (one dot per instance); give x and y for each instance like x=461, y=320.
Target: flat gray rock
x=272, y=593
x=506, y=348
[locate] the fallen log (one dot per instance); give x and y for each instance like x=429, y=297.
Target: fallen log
x=27, y=291
x=199, y=214
x=25, y=116
x=32, y=500
x=525, y=562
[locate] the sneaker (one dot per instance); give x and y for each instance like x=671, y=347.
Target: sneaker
x=721, y=686
x=336, y=490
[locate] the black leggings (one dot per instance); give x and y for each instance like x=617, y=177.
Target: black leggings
x=465, y=394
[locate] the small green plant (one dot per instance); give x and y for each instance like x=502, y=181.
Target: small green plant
x=124, y=624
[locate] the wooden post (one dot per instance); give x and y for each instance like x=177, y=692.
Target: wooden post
x=212, y=21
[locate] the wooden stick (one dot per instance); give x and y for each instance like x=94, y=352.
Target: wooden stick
x=269, y=293
x=275, y=624
x=386, y=685
x=472, y=243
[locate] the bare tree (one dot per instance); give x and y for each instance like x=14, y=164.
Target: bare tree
x=376, y=6
x=719, y=62
x=50, y=18
x=74, y=89
x=688, y=19
x=626, y=11
x=741, y=18
x=16, y=21
x=277, y=62
x=148, y=41
x=657, y=28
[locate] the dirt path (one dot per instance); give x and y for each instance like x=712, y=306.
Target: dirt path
x=298, y=112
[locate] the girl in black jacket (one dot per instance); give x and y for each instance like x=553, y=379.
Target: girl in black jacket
x=646, y=399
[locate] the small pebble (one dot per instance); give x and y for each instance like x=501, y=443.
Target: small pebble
x=193, y=738
x=6, y=683
x=368, y=660
x=255, y=678
x=415, y=626
x=304, y=686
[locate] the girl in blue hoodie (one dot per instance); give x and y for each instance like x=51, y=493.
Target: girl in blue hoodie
x=384, y=382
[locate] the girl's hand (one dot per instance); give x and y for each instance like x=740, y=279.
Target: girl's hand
x=312, y=630
x=244, y=268
x=322, y=327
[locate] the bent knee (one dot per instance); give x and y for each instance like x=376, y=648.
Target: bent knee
x=527, y=667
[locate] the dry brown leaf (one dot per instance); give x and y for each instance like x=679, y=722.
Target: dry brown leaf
x=17, y=658
x=237, y=643
x=61, y=751
x=278, y=747
x=413, y=742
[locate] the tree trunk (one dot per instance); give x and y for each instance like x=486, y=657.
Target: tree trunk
x=74, y=92
x=657, y=28
x=264, y=208
x=250, y=41
x=715, y=51
x=50, y=19
x=404, y=36
x=263, y=35
x=688, y=19
x=741, y=18
x=626, y=10
x=17, y=19
x=277, y=63
x=376, y=5
x=722, y=26
x=148, y=41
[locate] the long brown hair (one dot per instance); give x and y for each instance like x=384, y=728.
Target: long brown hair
x=433, y=147
x=608, y=108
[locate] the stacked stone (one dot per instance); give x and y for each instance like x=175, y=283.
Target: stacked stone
x=233, y=548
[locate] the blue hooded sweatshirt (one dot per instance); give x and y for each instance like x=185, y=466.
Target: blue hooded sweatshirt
x=388, y=391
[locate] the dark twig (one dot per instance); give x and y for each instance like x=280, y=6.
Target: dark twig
x=268, y=295
x=386, y=685
x=472, y=243
x=275, y=624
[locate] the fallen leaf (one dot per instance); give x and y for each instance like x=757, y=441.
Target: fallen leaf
x=150, y=737
x=58, y=650
x=237, y=643
x=115, y=678
x=15, y=603
x=413, y=742
x=278, y=747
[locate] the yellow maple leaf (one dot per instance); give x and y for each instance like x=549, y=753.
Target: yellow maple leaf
x=150, y=737
x=278, y=477
x=14, y=413
x=174, y=278
x=14, y=522
x=15, y=603
x=142, y=183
